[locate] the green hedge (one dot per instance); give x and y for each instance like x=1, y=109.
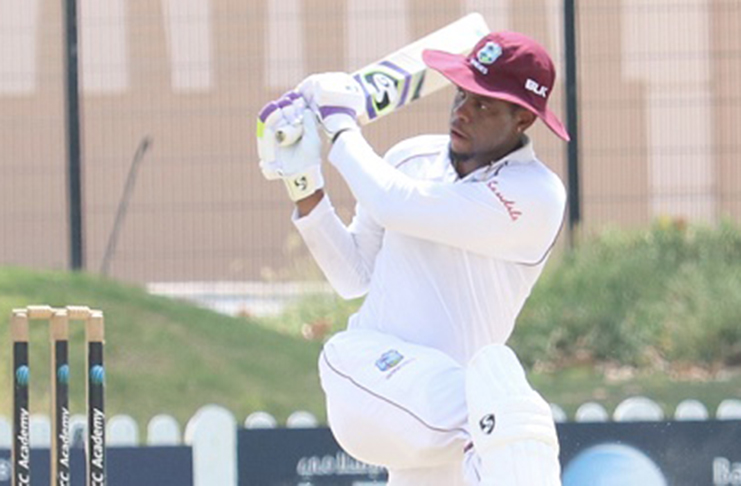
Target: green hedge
x=668, y=293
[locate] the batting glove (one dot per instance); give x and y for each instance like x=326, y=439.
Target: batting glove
x=297, y=165
x=337, y=100
x=277, y=117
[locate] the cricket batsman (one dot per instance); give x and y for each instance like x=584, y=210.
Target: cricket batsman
x=449, y=236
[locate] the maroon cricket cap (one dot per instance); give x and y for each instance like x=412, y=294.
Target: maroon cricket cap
x=505, y=65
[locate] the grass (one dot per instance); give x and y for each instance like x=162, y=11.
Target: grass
x=162, y=356
x=572, y=386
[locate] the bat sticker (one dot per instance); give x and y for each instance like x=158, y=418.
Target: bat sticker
x=386, y=86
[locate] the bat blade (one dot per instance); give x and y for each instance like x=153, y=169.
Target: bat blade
x=402, y=77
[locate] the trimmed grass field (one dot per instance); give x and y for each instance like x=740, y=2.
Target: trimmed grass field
x=162, y=356
x=572, y=386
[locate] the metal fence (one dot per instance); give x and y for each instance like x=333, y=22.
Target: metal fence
x=169, y=90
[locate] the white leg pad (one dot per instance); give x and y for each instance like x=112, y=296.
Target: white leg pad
x=511, y=424
x=393, y=403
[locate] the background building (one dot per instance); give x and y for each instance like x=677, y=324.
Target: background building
x=660, y=115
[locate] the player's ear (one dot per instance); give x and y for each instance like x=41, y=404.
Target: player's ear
x=524, y=119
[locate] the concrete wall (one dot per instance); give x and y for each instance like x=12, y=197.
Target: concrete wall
x=660, y=118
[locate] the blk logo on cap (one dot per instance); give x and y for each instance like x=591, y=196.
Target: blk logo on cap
x=532, y=85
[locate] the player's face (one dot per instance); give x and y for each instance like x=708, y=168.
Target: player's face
x=485, y=129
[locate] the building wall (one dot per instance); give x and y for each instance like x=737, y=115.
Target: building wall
x=659, y=114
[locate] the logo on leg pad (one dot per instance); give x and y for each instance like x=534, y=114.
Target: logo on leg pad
x=487, y=423
x=388, y=360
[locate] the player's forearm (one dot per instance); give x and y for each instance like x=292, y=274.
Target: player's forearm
x=340, y=254
x=376, y=185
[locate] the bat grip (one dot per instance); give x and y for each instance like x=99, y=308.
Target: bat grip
x=288, y=135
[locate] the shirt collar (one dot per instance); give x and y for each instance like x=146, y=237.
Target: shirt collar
x=524, y=154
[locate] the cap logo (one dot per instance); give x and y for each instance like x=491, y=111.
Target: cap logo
x=489, y=53
x=486, y=56
x=532, y=85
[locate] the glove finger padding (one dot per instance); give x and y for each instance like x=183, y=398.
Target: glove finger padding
x=309, y=145
x=337, y=100
x=301, y=163
x=284, y=115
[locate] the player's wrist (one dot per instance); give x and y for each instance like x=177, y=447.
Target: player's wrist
x=306, y=205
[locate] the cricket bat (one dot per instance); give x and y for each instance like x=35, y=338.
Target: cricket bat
x=402, y=76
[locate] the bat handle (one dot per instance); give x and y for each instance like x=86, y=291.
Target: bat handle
x=288, y=135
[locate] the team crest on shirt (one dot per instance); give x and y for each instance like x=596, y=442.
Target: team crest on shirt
x=389, y=359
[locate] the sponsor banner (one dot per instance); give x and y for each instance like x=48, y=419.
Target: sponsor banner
x=635, y=453
x=652, y=453
x=299, y=457
x=140, y=466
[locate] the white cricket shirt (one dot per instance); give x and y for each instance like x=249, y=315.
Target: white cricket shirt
x=444, y=262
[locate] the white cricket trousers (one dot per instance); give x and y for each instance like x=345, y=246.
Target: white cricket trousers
x=398, y=405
